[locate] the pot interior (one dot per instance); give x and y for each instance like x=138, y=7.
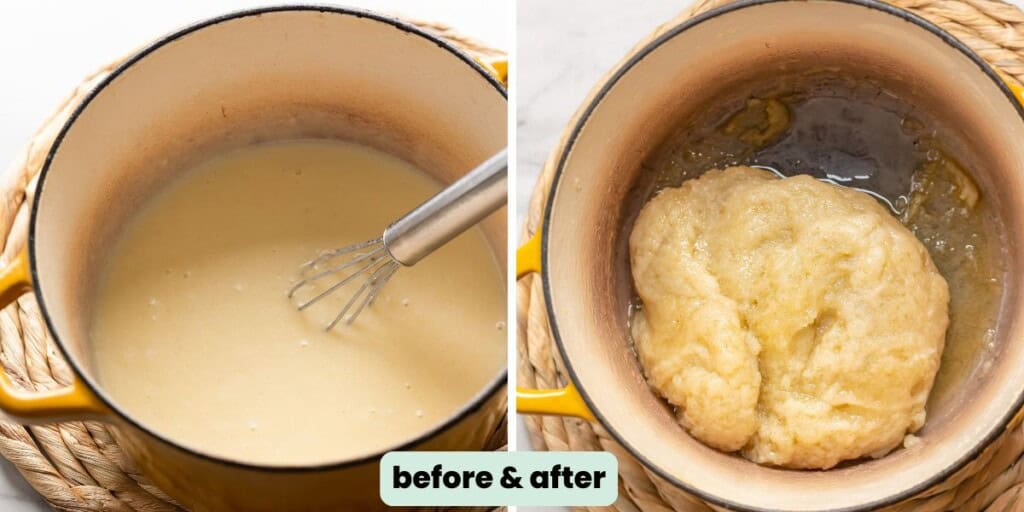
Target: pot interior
x=273, y=75
x=684, y=79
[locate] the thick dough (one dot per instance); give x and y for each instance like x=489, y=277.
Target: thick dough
x=792, y=319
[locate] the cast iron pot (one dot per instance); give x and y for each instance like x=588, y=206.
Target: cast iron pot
x=272, y=73
x=581, y=246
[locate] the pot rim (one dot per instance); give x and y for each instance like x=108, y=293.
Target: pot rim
x=475, y=404
x=584, y=115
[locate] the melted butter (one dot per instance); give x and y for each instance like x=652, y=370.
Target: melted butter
x=194, y=336
x=946, y=212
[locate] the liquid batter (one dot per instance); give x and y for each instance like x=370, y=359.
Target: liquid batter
x=193, y=334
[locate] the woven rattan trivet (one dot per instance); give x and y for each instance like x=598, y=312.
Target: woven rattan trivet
x=77, y=466
x=993, y=482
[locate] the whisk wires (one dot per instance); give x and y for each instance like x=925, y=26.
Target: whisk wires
x=367, y=261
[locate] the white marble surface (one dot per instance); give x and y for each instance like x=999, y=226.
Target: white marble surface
x=562, y=49
x=47, y=46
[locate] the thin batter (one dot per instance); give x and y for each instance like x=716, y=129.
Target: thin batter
x=193, y=334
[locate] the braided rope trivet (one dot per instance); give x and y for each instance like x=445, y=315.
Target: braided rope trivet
x=993, y=482
x=77, y=466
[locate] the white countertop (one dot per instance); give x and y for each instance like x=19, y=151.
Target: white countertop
x=48, y=46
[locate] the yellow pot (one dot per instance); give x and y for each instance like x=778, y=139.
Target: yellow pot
x=581, y=245
x=255, y=75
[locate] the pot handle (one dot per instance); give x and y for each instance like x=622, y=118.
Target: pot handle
x=75, y=402
x=553, y=402
x=1018, y=91
x=528, y=256
x=558, y=402
x=496, y=66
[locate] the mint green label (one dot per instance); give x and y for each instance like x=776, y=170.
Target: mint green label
x=499, y=479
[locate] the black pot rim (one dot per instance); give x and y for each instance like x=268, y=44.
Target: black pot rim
x=621, y=71
x=471, y=407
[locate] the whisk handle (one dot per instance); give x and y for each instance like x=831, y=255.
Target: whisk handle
x=452, y=211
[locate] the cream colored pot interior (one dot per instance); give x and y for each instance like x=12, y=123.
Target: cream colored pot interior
x=586, y=259
x=276, y=75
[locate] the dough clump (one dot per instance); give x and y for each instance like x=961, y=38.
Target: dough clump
x=791, y=319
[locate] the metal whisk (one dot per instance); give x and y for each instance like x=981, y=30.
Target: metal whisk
x=372, y=263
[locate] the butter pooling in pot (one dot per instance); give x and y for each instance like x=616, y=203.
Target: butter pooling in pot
x=794, y=320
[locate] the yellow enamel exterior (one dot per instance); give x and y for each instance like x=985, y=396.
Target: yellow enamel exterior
x=70, y=403
x=1018, y=91
x=497, y=67
x=528, y=256
x=558, y=402
x=74, y=402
